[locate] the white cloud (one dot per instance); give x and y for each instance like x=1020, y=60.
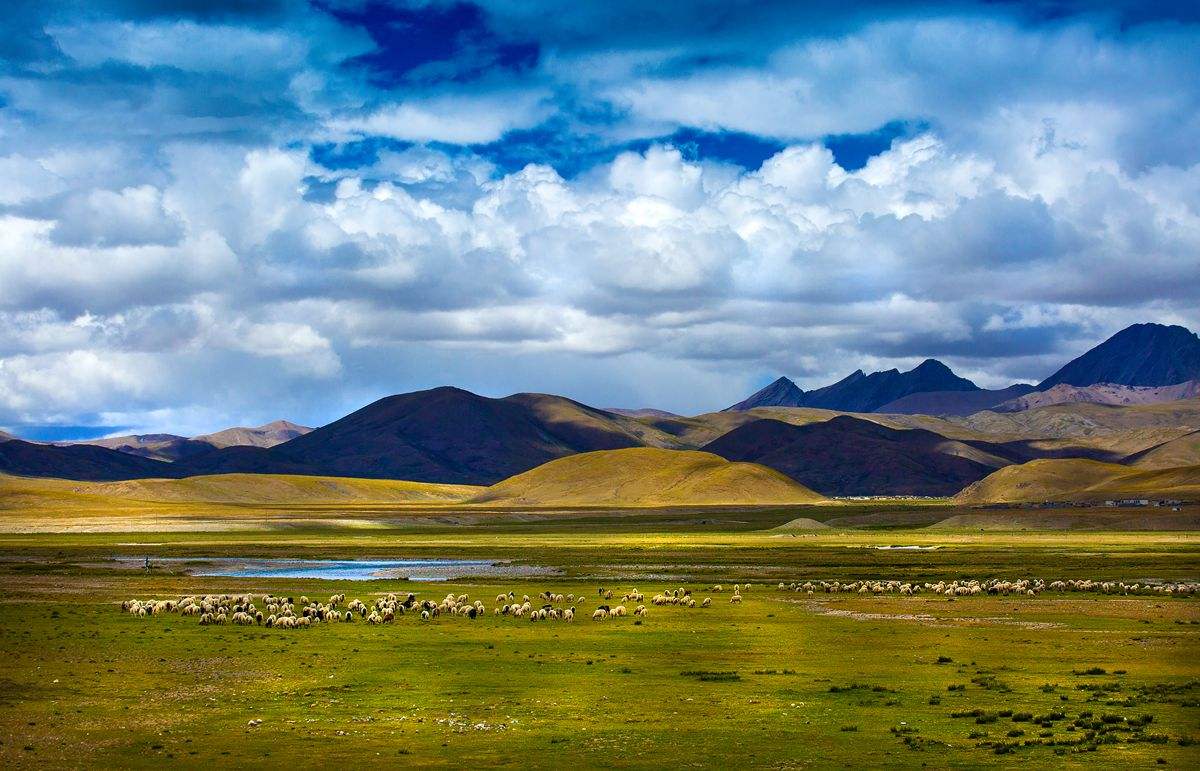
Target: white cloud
x=455, y=118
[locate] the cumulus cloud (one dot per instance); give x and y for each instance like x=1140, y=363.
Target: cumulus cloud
x=211, y=217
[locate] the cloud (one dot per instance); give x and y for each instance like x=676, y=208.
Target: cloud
x=456, y=118
x=214, y=215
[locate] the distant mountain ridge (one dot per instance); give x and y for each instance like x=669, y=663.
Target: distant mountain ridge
x=959, y=403
x=268, y=435
x=1139, y=355
x=859, y=392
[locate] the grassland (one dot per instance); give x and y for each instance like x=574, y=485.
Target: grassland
x=783, y=679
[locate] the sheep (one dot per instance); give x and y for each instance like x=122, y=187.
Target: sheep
x=640, y=610
x=707, y=602
x=600, y=614
x=735, y=599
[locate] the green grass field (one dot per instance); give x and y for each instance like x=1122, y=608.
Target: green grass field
x=783, y=679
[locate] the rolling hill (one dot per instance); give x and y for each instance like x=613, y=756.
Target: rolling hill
x=952, y=402
x=1080, y=480
x=1139, y=355
x=24, y=493
x=268, y=435
x=1181, y=451
x=1101, y=393
x=850, y=456
x=445, y=435
x=80, y=461
x=164, y=447
x=647, y=476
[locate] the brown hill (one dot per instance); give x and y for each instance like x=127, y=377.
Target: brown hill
x=952, y=402
x=849, y=456
x=269, y=435
x=647, y=476
x=23, y=458
x=1101, y=393
x=1080, y=480
x=164, y=447
x=443, y=435
x=1181, y=451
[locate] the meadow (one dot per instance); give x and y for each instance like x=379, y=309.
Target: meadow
x=781, y=679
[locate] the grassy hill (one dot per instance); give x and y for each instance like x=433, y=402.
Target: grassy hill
x=23, y=493
x=1078, y=480
x=1181, y=451
x=647, y=476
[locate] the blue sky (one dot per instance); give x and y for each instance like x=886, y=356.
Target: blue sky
x=229, y=212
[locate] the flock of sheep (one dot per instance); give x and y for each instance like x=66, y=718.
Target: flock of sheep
x=281, y=612
x=290, y=613
x=968, y=587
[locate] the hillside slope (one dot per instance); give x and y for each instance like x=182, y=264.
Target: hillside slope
x=445, y=435
x=268, y=435
x=850, y=456
x=647, y=476
x=1101, y=393
x=86, y=462
x=1139, y=355
x=242, y=489
x=952, y=402
x=1181, y=451
x=1078, y=480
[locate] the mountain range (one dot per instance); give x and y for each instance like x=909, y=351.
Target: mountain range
x=451, y=436
x=1143, y=355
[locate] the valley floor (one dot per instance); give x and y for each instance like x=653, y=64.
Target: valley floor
x=783, y=679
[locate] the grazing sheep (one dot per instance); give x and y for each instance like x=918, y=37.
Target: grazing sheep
x=600, y=614
x=735, y=599
x=707, y=602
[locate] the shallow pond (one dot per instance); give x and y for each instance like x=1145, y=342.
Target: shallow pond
x=350, y=570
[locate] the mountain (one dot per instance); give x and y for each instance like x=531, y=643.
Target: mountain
x=78, y=461
x=850, y=456
x=1140, y=355
x=858, y=392
x=1078, y=480
x=953, y=402
x=641, y=412
x=269, y=435
x=443, y=435
x=781, y=393
x=6, y=437
x=647, y=476
x=867, y=393
x=1101, y=393
x=164, y=447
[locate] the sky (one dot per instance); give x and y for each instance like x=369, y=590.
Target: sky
x=219, y=212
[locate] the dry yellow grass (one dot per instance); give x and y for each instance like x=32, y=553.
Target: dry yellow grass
x=240, y=489
x=1183, y=451
x=645, y=476
x=1077, y=479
